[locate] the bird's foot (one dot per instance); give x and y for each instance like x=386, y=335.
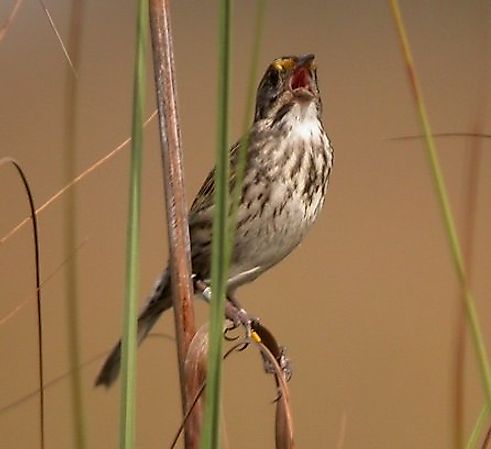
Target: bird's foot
x=234, y=312
x=273, y=355
x=239, y=317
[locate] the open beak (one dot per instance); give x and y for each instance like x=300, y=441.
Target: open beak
x=301, y=81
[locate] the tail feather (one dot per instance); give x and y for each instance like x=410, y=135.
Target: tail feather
x=158, y=302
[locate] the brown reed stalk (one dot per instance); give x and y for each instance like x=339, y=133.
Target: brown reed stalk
x=176, y=205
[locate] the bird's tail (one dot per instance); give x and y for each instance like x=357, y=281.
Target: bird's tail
x=158, y=302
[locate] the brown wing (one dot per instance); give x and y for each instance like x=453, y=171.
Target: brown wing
x=205, y=196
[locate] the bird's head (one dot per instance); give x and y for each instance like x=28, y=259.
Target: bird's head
x=288, y=80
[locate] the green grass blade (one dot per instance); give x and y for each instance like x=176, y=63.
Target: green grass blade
x=129, y=343
x=70, y=223
x=244, y=142
x=211, y=425
x=442, y=196
x=477, y=430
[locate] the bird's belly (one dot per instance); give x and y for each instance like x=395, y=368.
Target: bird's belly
x=265, y=240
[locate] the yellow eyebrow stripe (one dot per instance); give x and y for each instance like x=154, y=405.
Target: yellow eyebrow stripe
x=283, y=64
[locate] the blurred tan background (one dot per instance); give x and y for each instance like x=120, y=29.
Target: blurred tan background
x=367, y=306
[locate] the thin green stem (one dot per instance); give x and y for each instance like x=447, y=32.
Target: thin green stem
x=477, y=430
x=442, y=196
x=244, y=142
x=129, y=343
x=211, y=428
x=70, y=222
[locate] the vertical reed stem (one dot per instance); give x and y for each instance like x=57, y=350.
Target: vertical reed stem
x=176, y=205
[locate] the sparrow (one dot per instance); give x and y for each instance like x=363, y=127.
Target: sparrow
x=288, y=164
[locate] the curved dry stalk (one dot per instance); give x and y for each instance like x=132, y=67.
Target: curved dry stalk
x=196, y=360
x=195, y=366
x=10, y=18
x=76, y=180
x=274, y=362
x=195, y=372
x=5, y=161
x=284, y=420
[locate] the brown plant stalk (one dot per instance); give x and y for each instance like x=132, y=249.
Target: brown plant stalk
x=176, y=206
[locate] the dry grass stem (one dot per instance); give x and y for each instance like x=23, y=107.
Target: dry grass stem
x=76, y=180
x=58, y=37
x=33, y=296
x=176, y=206
x=10, y=19
x=18, y=168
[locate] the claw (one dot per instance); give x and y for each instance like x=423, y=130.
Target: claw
x=230, y=327
x=283, y=361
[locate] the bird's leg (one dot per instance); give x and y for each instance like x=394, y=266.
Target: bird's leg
x=239, y=316
x=233, y=300
x=233, y=310
x=238, y=313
